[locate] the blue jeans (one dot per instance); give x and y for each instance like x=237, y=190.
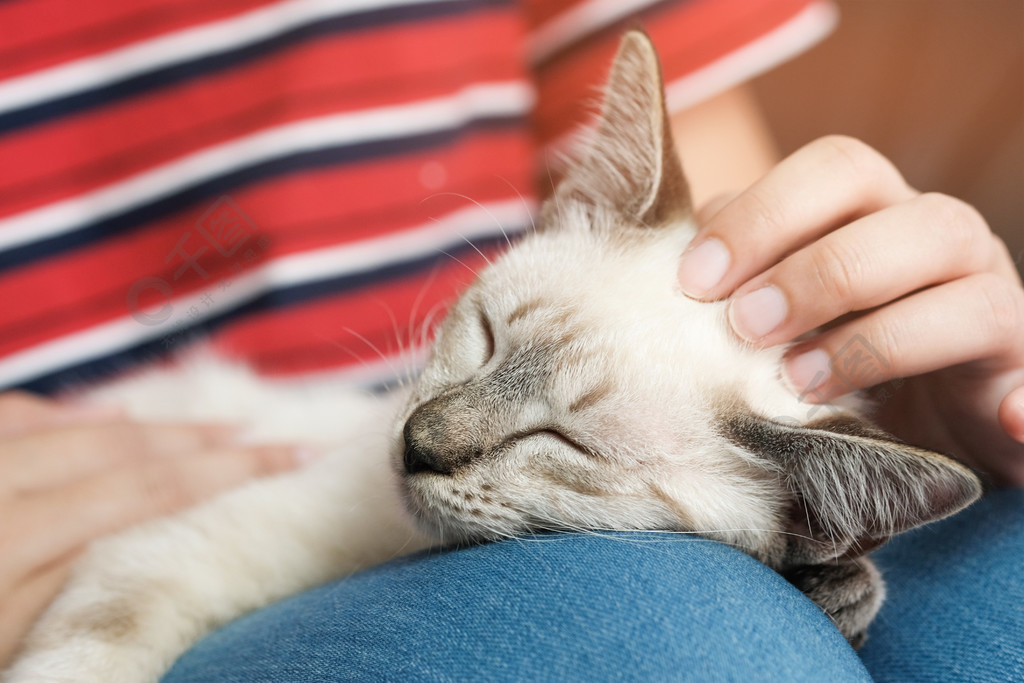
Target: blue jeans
x=641, y=607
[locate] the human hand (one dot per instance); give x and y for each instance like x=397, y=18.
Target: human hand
x=906, y=284
x=69, y=475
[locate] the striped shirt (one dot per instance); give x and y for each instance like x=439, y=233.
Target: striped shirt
x=305, y=183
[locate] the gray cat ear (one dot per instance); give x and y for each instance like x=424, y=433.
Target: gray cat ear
x=855, y=485
x=631, y=165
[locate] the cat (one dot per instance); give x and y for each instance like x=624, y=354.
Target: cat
x=571, y=387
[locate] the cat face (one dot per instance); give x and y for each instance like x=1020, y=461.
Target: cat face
x=574, y=386
x=553, y=397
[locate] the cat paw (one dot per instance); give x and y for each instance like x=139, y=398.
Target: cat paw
x=850, y=592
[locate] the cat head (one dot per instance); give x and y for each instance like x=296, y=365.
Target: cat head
x=574, y=386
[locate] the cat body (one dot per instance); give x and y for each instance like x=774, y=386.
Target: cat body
x=571, y=387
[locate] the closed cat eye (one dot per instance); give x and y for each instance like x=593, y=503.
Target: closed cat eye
x=555, y=434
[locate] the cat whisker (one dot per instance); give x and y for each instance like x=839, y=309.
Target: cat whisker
x=551, y=181
x=486, y=210
x=470, y=243
x=529, y=211
x=605, y=532
x=459, y=261
x=424, y=288
x=383, y=357
x=476, y=249
x=400, y=354
x=337, y=345
x=426, y=327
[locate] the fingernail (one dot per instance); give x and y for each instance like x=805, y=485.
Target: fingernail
x=304, y=455
x=703, y=267
x=756, y=314
x=808, y=371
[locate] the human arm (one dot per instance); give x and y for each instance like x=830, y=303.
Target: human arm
x=71, y=474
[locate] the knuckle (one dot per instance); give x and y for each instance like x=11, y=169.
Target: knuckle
x=836, y=271
x=1002, y=309
x=1002, y=260
x=1002, y=250
x=767, y=213
x=858, y=154
x=958, y=221
x=864, y=163
x=846, y=145
x=888, y=342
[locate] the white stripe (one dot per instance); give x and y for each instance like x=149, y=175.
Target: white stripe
x=806, y=28
x=421, y=241
x=812, y=24
x=449, y=112
x=177, y=47
x=583, y=19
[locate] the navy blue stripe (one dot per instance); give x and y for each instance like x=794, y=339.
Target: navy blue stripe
x=98, y=369
x=206, y=191
x=202, y=66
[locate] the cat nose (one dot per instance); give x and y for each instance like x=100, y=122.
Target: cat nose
x=421, y=458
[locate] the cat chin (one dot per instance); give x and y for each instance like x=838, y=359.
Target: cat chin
x=442, y=517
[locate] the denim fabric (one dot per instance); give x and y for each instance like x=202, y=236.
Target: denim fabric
x=955, y=610
x=639, y=607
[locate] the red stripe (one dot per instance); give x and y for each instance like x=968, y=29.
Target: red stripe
x=308, y=210
x=69, y=157
x=296, y=213
x=42, y=33
x=539, y=12
x=689, y=37
x=318, y=336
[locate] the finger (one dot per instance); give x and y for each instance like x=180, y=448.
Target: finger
x=827, y=183
x=26, y=600
x=976, y=318
x=928, y=240
x=48, y=524
x=1011, y=414
x=21, y=413
x=57, y=456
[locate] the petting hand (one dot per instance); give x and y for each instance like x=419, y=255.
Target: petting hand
x=71, y=474
x=932, y=295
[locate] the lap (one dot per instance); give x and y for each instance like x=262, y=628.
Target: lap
x=563, y=607
x=955, y=605
x=641, y=606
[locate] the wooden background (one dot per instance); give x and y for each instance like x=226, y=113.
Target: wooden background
x=935, y=85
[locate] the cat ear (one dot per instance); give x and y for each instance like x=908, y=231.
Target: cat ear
x=855, y=484
x=631, y=164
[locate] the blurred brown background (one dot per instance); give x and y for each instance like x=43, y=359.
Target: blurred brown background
x=935, y=85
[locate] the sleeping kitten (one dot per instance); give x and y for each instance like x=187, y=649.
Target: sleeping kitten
x=572, y=386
